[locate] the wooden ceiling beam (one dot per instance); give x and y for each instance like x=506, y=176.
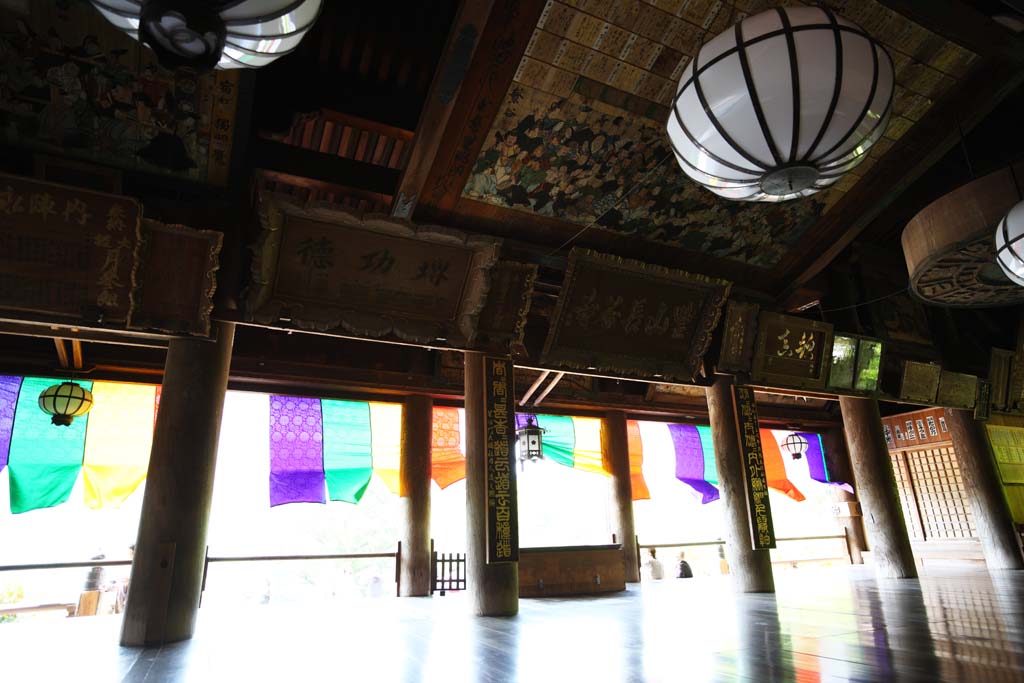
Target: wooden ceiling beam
x=76, y=353
x=336, y=170
x=502, y=44
x=925, y=143
x=962, y=24
x=463, y=39
x=62, y=352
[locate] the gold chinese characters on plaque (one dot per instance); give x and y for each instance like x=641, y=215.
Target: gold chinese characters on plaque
x=500, y=426
x=755, y=479
x=792, y=351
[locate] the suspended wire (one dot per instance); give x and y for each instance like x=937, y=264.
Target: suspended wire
x=904, y=290
x=618, y=201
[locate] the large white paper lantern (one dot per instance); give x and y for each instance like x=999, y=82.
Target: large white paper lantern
x=203, y=34
x=781, y=105
x=1010, y=244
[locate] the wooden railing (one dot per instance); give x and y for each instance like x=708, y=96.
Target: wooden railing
x=447, y=571
x=844, y=536
x=397, y=555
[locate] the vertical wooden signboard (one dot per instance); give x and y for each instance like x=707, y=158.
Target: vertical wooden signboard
x=755, y=481
x=500, y=423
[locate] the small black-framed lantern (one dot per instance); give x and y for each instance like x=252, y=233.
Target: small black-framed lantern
x=796, y=445
x=531, y=441
x=64, y=402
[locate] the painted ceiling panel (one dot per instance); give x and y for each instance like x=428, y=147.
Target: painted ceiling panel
x=580, y=134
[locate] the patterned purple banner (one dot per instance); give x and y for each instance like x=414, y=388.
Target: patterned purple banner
x=690, y=461
x=817, y=466
x=9, y=389
x=296, y=451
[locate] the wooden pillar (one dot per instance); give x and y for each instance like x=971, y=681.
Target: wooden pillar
x=170, y=551
x=850, y=517
x=414, y=472
x=615, y=446
x=751, y=569
x=999, y=539
x=876, y=486
x=493, y=588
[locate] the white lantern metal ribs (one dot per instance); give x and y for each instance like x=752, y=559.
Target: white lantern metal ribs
x=782, y=105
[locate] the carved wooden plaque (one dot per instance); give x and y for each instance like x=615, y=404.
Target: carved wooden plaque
x=738, y=333
x=957, y=390
x=755, y=480
x=502, y=321
x=920, y=382
x=328, y=270
x=792, y=351
x=177, y=276
x=633, y=318
x=66, y=254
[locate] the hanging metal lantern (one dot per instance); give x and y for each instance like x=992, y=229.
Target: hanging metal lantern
x=1010, y=244
x=65, y=402
x=781, y=105
x=531, y=441
x=796, y=445
x=204, y=34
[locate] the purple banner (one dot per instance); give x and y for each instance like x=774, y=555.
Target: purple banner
x=296, y=451
x=816, y=464
x=9, y=389
x=690, y=461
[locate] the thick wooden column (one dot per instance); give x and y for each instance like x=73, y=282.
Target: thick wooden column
x=751, y=569
x=876, y=486
x=493, y=588
x=414, y=472
x=170, y=551
x=999, y=539
x=849, y=514
x=615, y=445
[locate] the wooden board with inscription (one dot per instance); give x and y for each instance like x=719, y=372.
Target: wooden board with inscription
x=738, y=335
x=755, y=480
x=66, y=254
x=320, y=268
x=792, y=352
x=916, y=429
x=956, y=390
x=920, y=382
x=1008, y=449
x=633, y=318
x=500, y=426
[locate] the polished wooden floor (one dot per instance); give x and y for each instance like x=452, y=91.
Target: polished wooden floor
x=823, y=625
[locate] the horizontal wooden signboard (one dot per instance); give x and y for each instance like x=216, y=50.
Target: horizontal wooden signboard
x=633, y=318
x=325, y=269
x=792, y=351
x=956, y=390
x=66, y=254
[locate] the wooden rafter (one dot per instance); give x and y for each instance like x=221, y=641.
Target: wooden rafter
x=76, y=353
x=504, y=41
x=62, y=352
x=917, y=151
x=462, y=43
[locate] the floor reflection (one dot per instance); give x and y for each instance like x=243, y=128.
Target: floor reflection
x=823, y=625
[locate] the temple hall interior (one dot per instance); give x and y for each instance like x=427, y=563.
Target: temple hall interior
x=512, y=340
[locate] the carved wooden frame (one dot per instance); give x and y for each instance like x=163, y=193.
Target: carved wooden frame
x=260, y=305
